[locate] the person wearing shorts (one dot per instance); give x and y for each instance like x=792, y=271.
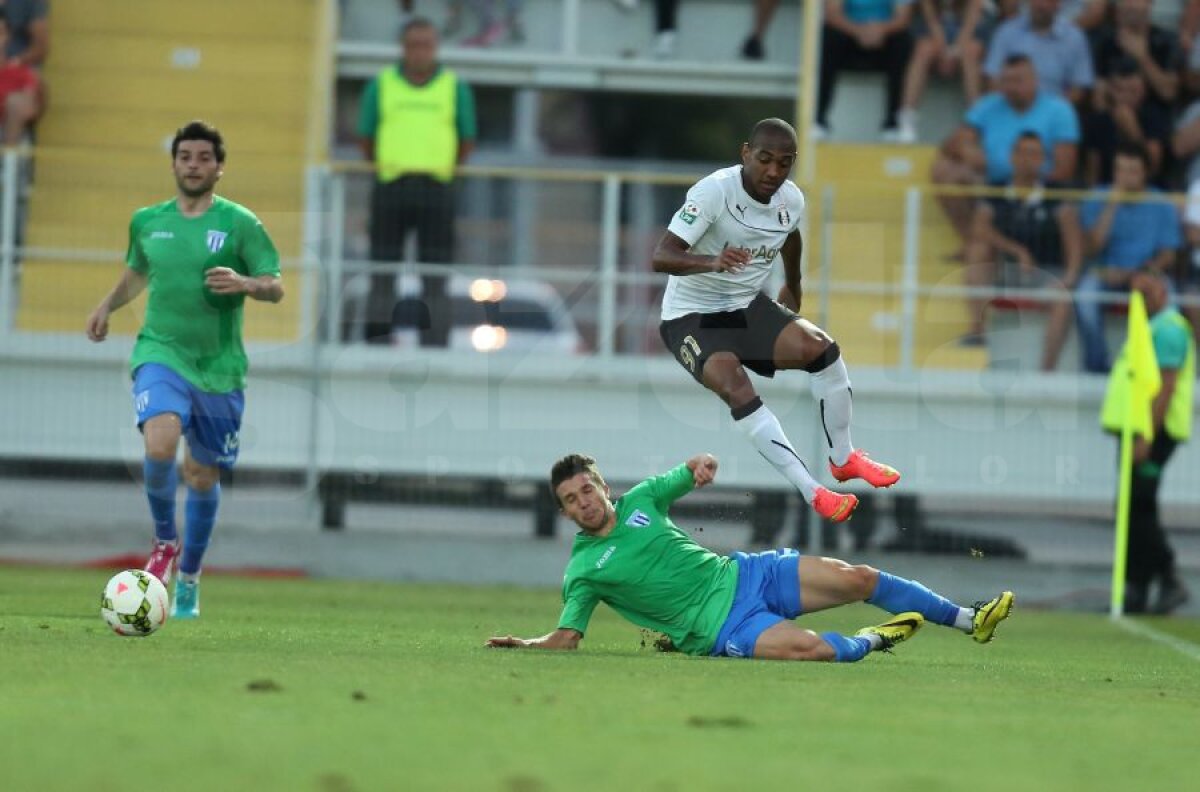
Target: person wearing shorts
x=630, y=555
x=200, y=256
x=718, y=252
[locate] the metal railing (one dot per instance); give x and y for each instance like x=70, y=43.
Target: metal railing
x=870, y=248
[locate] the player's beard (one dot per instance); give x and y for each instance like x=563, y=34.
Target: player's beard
x=601, y=520
x=605, y=513
x=206, y=186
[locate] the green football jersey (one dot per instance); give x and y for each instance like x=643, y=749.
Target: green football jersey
x=195, y=333
x=651, y=572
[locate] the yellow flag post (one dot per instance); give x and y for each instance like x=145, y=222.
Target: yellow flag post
x=1136, y=377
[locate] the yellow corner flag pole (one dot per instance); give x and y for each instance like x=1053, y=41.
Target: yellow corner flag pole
x=1138, y=366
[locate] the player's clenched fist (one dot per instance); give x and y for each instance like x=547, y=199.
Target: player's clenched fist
x=731, y=259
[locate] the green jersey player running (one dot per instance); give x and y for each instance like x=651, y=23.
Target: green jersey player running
x=630, y=555
x=201, y=256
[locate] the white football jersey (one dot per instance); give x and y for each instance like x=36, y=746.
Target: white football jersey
x=718, y=212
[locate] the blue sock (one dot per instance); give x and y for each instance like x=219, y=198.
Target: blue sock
x=897, y=595
x=161, y=482
x=201, y=514
x=849, y=648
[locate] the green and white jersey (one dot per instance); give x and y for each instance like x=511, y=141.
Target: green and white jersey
x=651, y=572
x=195, y=333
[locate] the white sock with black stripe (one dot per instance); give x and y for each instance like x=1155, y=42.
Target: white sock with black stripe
x=831, y=390
x=761, y=426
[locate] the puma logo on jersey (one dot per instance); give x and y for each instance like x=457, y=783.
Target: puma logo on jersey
x=741, y=210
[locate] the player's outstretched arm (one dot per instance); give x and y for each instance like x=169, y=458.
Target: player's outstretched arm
x=128, y=287
x=559, y=639
x=704, y=469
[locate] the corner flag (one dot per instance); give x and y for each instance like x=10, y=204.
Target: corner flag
x=1128, y=408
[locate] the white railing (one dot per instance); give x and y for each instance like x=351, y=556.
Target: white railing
x=320, y=404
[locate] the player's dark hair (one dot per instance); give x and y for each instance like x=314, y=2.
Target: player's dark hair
x=1127, y=148
x=414, y=23
x=1017, y=59
x=772, y=127
x=568, y=468
x=200, y=130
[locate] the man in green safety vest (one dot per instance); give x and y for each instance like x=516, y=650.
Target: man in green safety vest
x=1150, y=556
x=417, y=124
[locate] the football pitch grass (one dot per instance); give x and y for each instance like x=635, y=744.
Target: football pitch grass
x=331, y=685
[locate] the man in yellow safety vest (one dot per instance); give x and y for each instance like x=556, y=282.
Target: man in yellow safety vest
x=417, y=124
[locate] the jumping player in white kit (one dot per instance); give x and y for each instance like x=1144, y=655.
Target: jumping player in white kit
x=718, y=251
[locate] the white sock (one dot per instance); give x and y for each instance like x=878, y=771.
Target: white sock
x=831, y=391
x=965, y=620
x=764, y=431
x=876, y=641
x=186, y=578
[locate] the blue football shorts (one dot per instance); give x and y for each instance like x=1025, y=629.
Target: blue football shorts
x=210, y=421
x=768, y=592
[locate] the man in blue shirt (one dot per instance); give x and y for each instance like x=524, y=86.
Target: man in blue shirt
x=981, y=148
x=1058, y=49
x=1123, y=234
x=871, y=33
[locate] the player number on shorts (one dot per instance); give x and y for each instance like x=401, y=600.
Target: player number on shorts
x=688, y=352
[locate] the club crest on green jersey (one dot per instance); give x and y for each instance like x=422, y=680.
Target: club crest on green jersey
x=216, y=240
x=639, y=519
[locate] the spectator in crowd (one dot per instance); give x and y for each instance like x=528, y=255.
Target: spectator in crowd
x=865, y=32
x=666, y=14
x=493, y=26
x=951, y=35
x=1006, y=10
x=1123, y=232
x=764, y=12
x=19, y=93
x=1189, y=24
x=1088, y=15
x=1057, y=47
x=28, y=44
x=1150, y=557
x=1127, y=117
x=1191, y=228
x=1191, y=71
x=1155, y=51
x=980, y=150
x=28, y=31
x=1040, y=235
x=416, y=123
x=1185, y=143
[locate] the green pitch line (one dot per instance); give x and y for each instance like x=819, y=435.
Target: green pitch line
x=322, y=685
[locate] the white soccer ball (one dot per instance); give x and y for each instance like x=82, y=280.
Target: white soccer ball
x=134, y=603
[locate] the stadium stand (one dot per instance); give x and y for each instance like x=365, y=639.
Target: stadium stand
x=124, y=81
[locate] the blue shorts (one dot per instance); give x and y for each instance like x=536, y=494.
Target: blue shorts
x=768, y=592
x=210, y=421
